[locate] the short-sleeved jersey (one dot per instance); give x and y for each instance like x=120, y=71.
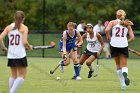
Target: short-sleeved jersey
x=70, y=41
x=16, y=49
x=93, y=44
x=119, y=35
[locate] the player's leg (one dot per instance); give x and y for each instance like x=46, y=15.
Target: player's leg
x=81, y=61
x=115, y=54
x=19, y=80
x=64, y=63
x=89, y=64
x=13, y=76
x=123, y=62
x=76, y=65
x=119, y=72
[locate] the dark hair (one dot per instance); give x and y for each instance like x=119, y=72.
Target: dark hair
x=19, y=17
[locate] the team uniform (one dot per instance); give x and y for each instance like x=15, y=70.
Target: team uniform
x=16, y=50
x=70, y=41
x=70, y=44
x=119, y=43
x=93, y=45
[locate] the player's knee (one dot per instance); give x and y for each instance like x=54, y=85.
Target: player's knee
x=88, y=63
x=67, y=63
x=75, y=60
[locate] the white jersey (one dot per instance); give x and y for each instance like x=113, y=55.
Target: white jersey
x=16, y=48
x=93, y=43
x=119, y=35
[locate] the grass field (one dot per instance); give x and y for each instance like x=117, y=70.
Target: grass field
x=40, y=81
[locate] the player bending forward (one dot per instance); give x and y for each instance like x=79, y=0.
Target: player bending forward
x=94, y=48
x=67, y=45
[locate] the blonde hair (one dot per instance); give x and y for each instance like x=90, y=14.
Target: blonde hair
x=121, y=14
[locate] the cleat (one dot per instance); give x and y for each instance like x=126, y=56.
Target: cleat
x=90, y=74
x=126, y=80
x=123, y=87
x=74, y=77
x=78, y=78
x=61, y=66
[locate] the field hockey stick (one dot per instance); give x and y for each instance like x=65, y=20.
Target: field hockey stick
x=44, y=47
x=52, y=71
x=133, y=51
x=97, y=68
x=51, y=45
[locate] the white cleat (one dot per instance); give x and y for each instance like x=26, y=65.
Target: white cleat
x=123, y=87
x=78, y=78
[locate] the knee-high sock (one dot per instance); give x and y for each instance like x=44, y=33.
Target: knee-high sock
x=77, y=69
x=11, y=82
x=121, y=78
x=125, y=69
x=18, y=82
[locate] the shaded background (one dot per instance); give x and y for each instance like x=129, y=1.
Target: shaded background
x=47, y=19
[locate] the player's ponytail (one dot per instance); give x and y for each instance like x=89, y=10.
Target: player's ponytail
x=120, y=14
x=19, y=17
x=127, y=23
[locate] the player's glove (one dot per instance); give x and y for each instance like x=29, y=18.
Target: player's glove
x=64, y=57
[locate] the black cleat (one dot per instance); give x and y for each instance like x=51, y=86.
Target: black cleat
x=90, y=74
x=126, y=80
x=74, y=77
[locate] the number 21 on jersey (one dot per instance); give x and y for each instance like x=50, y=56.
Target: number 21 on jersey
x=119, y=32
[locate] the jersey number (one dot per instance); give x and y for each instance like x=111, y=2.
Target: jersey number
x=14, y=39
x=119, y=30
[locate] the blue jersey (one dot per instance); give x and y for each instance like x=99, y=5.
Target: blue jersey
x=70, y=41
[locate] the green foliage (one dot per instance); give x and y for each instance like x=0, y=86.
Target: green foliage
x=59, y=12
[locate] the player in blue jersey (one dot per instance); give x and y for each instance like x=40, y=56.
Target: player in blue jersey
x=68, y=45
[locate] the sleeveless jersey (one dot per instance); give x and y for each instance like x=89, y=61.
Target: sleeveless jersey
x=16, y=49
x=119, y=35
x=69, y=39
x=93, y=45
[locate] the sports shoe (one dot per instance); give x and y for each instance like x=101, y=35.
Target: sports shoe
x=126, y=79
x=78, y=78
x=74, y=77
x=90, y=74
x=61, y=66
x=123, y=87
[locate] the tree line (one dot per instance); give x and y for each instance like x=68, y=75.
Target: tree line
x=59, y=12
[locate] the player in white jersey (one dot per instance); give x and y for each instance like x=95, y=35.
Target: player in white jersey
x=94, y=47
x=119, y=44
x=17, y=34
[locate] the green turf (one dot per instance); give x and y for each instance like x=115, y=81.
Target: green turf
x=40, y=81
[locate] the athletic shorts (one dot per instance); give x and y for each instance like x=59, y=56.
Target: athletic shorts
x=68, y=46
x=22, y=62
x=89, y=53
x=115, y=51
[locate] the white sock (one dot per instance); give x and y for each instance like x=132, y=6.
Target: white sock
x=16, y=85
x=11, y=82
x=121, y=78
x=125, y=69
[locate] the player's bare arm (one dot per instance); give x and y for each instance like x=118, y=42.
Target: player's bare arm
x=131, y=34
x=64, y=42
x=108, y=29
x=101, y=41
x=25, y=38
x=79, y=39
